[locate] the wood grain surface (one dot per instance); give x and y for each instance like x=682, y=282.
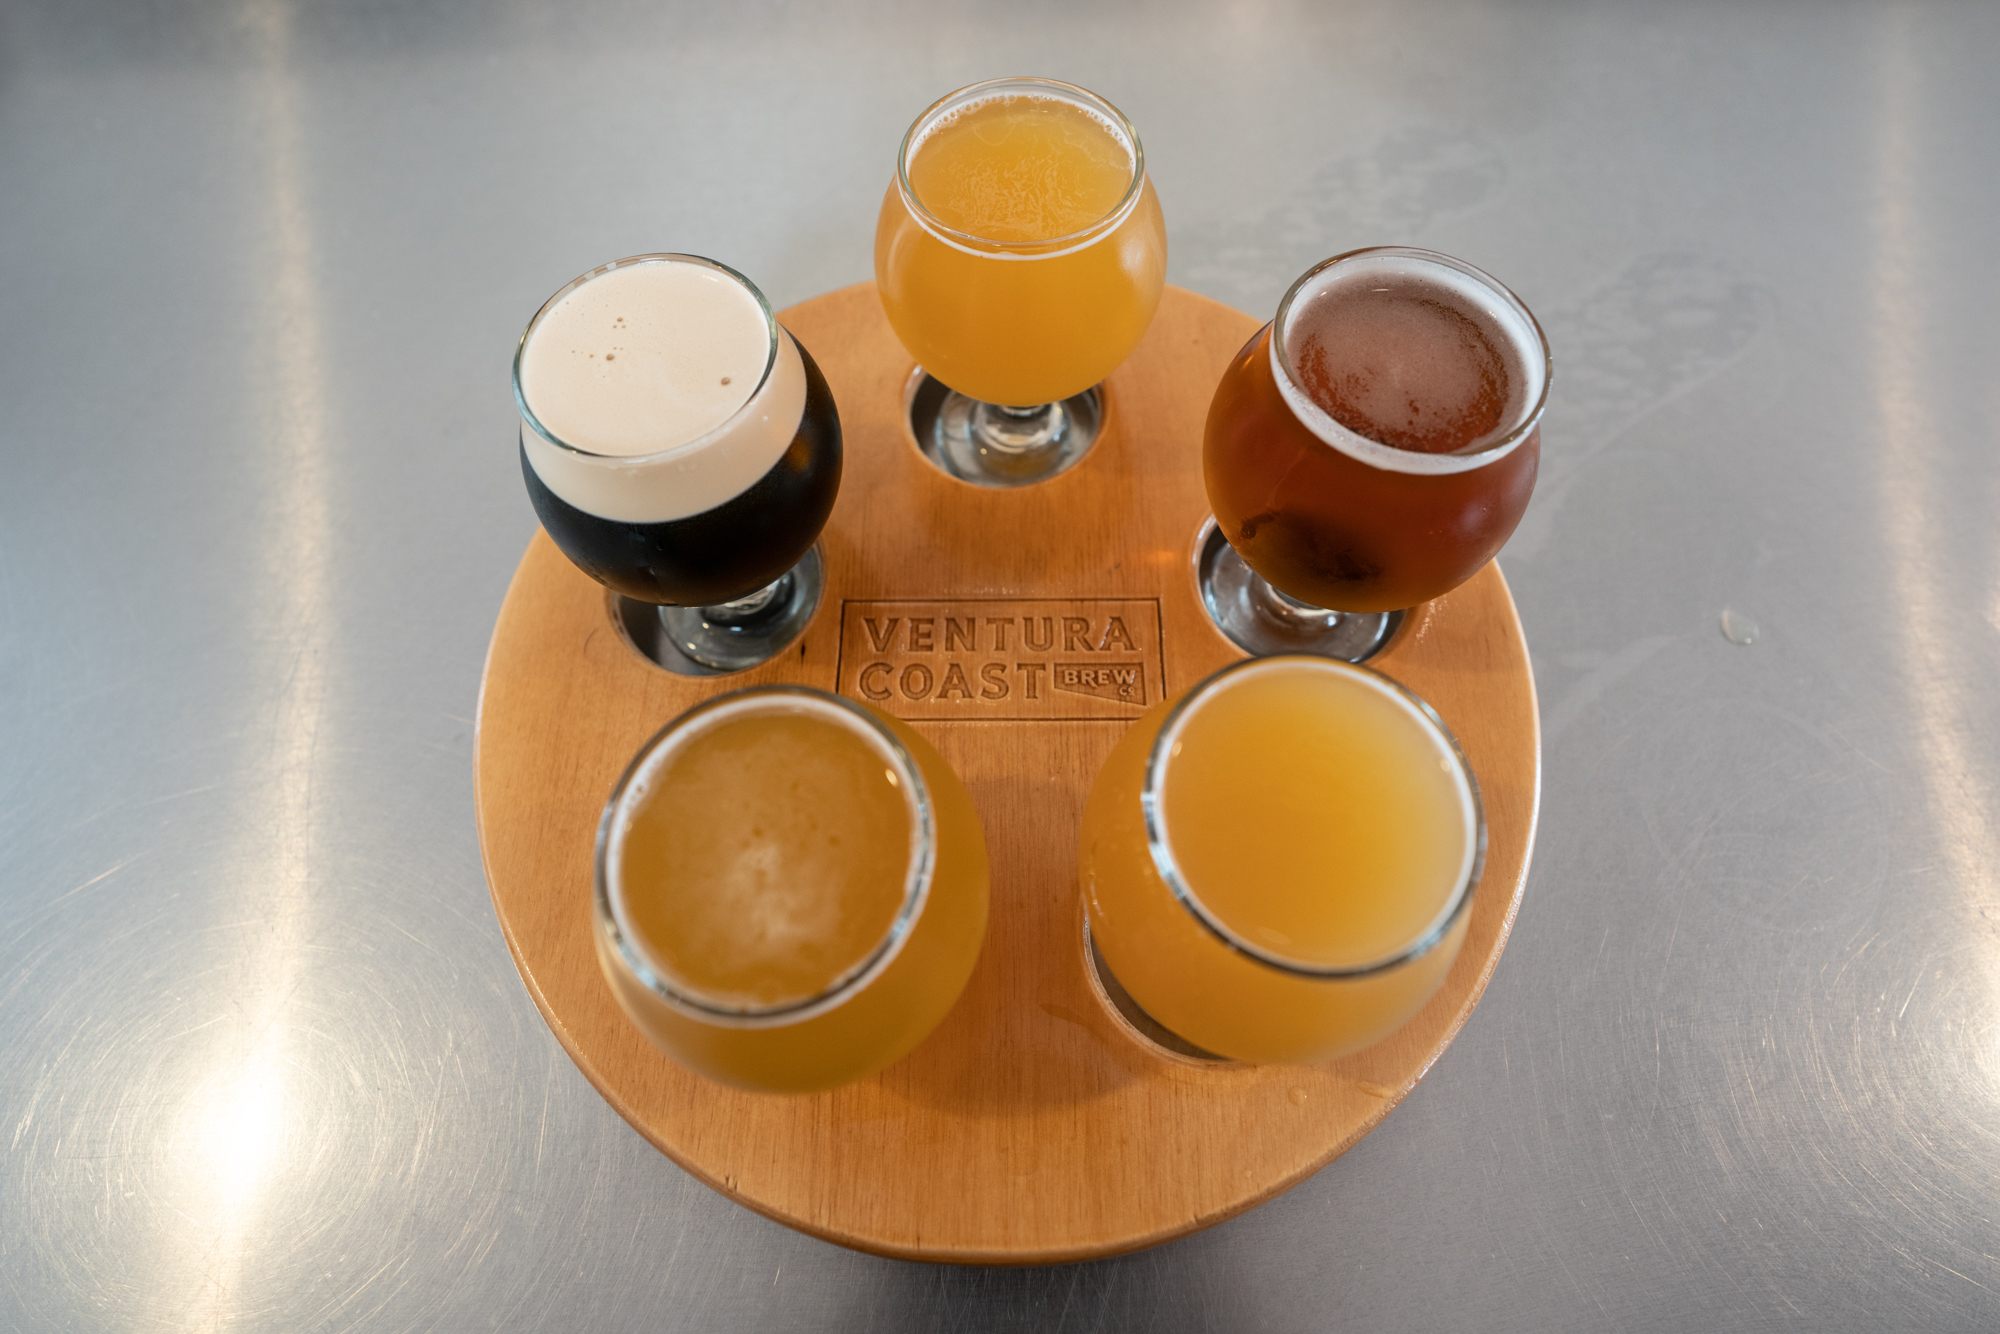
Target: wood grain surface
x=1033, y=1125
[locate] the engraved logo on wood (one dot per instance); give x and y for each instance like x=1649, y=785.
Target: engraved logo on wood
x=1003, y=659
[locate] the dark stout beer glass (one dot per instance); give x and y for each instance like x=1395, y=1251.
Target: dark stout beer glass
x=1369, y=449
x=697, y=474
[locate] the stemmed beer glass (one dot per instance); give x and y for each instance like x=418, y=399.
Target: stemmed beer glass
x=682, y=448
x=1020, y=254
x=1369, y=449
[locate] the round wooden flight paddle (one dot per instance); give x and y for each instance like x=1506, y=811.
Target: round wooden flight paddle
x=1020, y=630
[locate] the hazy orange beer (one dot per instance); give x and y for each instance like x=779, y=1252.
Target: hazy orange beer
x=1020, y=253
x=791, y=889
x=1277, y=865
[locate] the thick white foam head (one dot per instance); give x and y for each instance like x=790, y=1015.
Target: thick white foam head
x=1529, y=356
x=656, y=388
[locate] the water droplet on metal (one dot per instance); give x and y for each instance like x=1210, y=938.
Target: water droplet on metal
x=1738, y=628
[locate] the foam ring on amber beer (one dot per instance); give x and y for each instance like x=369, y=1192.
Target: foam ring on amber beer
x=1476, y=285
x=916, y=886
x=1152, y=803
x=1021, y=85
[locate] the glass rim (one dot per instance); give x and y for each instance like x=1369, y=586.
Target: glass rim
x=1028, y=83
x=916, y=885
x=1152, y=808
x=648, y=257
x=1372, y=452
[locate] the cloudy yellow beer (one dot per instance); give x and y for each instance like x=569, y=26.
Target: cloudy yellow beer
x=1020, y=252
x=1314, y=836
x=792, y=889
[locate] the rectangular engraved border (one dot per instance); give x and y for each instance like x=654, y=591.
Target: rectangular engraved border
x=1159, y=661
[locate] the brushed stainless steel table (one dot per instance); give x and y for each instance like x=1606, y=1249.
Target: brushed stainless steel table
x=264, y=1061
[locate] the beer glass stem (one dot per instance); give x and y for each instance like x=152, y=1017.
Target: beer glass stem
x=1260, y=618
x=992, y=444
x=742, y=632
x=1018, y=431
x=739, y=610
x=1287, y=612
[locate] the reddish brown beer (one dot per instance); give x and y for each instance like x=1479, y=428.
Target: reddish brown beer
x=1385, y=448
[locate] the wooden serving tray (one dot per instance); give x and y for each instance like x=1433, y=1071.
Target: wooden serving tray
x=1019, y=630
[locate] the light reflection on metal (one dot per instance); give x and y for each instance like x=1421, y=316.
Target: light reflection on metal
x=232, y=1130
x=240, y=1132
x=230, y=1140
x=1964, y=817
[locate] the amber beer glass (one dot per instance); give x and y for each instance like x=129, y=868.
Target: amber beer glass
x=682, y=448
x=1370, y=448
x=791, y=889
x=1020, y=254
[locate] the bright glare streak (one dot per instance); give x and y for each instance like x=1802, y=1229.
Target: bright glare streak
x=241, y=1128
x=1962, y=808
x=233, y=1136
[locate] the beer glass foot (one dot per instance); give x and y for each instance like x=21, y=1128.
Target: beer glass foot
x=731, y=636
x=1261, y=620
x=1122, y=1004
x=990, y=445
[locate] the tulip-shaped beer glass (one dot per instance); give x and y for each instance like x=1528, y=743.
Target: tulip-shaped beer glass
x=1369, y=449
x=1020, y=255
x=682, y=449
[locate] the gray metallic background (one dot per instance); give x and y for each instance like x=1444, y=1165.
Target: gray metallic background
x=264, y=1061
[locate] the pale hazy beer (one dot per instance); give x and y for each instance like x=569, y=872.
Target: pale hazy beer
x=1020, y=254
x=791, y=889
x=1277, y=865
